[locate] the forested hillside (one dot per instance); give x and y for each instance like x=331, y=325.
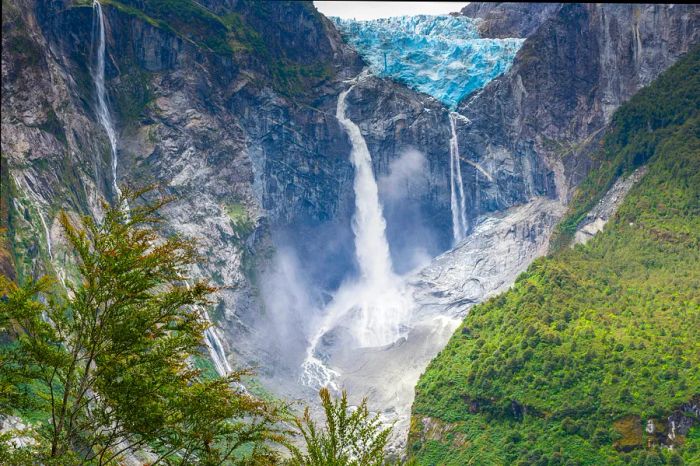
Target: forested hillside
x=593, y=356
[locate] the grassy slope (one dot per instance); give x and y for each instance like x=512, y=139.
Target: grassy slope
x=594, y=340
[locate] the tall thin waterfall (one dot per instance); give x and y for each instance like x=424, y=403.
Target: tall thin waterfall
x=214, y=345
x=374, y=307
x=99, y=76
x=457, y=201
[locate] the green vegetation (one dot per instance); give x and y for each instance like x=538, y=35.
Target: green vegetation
x=350, y=438
x=202, y=363
x=114, y=363
x=636, y=129
x=7, y=262
x=105, y=367
x=592, y=342
x=132, y=95
x=186, y=18
x=25, y=232
x=240, y=220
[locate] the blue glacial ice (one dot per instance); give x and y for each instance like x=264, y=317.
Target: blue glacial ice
x=442, y=56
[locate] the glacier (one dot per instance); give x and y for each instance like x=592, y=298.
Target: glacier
x=442, y=56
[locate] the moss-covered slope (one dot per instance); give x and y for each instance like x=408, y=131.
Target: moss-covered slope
x=585, y=359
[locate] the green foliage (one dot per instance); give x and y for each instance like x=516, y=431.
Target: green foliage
x=132, y=95
x=591, y=342
x=352, y=438
x=636, y=129
x=240, y=220
x=107, y=363
x=7, y=263
x=204, y=365
x=190, y=20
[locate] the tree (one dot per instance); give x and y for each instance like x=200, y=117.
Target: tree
x=350, y=437
x=109, y=360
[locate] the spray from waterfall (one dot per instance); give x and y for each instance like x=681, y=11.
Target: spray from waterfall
x=374, y=307
x=103, y=113
x=457, y=200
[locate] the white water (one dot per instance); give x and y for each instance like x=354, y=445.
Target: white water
x=103, y=113
x=457, y=201
x=214, y=346
x=218, y=354
x=216, y=351
x=38, y=203
x=373, y=307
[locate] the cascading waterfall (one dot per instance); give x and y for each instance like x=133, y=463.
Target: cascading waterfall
x=457, y=200
x=214, y=346
x=443, y=56
x=103, y=113
x=216, y=352
x=375, y=306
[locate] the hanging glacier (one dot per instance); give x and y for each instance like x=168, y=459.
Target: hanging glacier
x=442, y=56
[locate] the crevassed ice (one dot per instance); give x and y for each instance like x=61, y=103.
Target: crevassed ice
x=442, y=56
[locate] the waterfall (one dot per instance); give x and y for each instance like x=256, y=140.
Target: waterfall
x=218, y=355
x=457, y=201
x=214, y=345
x=371, y=246
x=103, y=113
x=38, y=202
x=216, y=351
x=374, y=307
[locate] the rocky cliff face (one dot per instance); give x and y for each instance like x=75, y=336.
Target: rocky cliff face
x=574, y=70
x=506, y=19
x=230, y=106
x=186, y=118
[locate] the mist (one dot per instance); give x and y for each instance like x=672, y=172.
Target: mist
x=413, y=240
x=309, y=286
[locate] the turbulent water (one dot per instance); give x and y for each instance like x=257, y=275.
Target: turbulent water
x=442, y=56
x=374, y=307
x=103, y=113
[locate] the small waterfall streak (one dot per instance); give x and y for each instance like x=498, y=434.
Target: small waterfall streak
x=214, y=345
x=216, y=352
x=103, y=113
x=59, y=271
x=374, y=307
x=218, y=355
x=457, y=198
x=38, y=202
